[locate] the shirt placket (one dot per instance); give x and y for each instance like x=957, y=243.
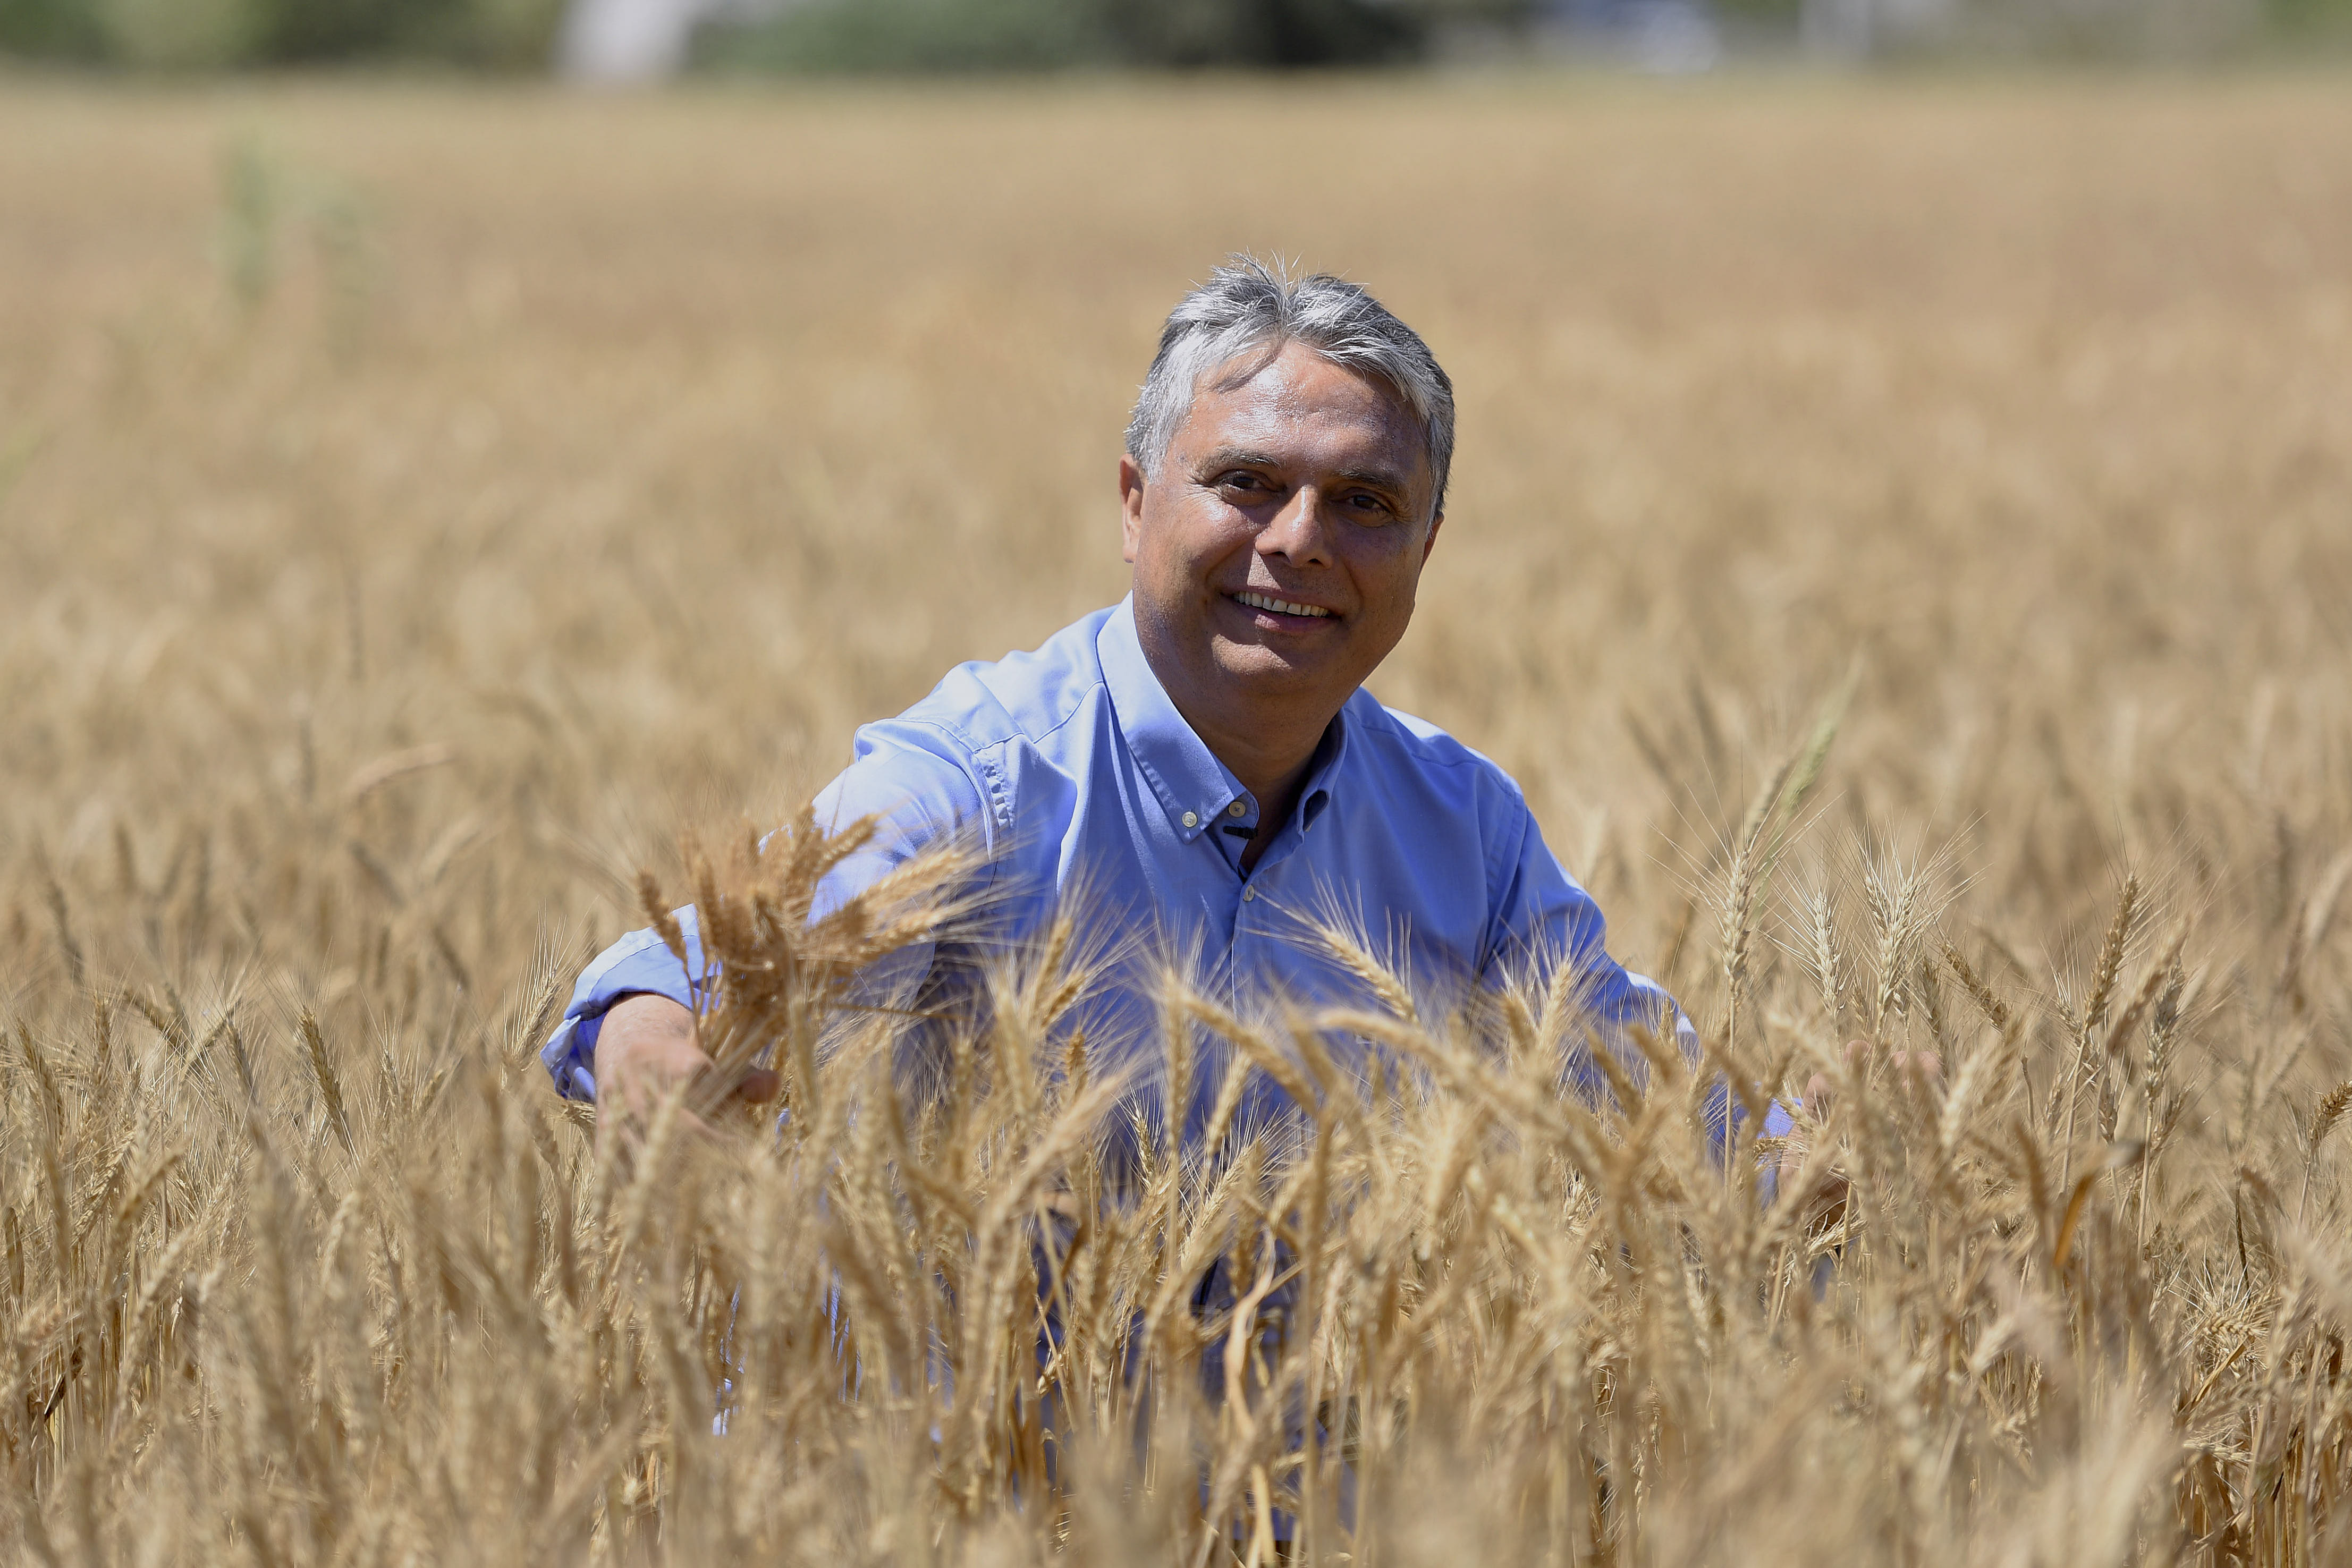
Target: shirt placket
x=1243, y=956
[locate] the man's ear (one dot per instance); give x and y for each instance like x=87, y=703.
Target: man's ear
x=1430, y=543
x=1130, y=507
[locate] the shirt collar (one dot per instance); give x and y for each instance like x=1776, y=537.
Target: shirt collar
x=1330, y=756
x=1192, y=786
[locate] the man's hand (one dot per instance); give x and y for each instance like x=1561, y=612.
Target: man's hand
x=1916, y=1073
x=643, y=1052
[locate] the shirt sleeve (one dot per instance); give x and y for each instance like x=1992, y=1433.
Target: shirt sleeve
x=913, y=783
x=1543, y=919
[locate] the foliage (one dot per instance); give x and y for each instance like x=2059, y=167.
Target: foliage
x=917, y=36
x=211, y=34
x=997, y=35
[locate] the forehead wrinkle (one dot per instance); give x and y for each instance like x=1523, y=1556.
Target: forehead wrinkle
x=1281, y=379
x=1356, y=435
x=1259, y=431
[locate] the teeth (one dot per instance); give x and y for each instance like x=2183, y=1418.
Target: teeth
x=1281, y=606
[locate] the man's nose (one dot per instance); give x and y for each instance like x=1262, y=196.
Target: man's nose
x=1300, y=531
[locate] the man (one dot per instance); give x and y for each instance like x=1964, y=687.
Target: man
x=1201, y=760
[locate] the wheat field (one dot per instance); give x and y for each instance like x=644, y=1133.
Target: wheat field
x=419, y=505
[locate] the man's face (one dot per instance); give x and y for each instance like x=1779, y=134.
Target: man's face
x=1277, y=548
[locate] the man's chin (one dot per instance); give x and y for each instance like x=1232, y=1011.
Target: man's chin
x=1260, y=670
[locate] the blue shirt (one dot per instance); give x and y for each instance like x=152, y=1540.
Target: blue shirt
x=1083, y=781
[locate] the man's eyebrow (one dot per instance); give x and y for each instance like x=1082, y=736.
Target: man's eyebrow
x=1378, y=479
x=1238, y=457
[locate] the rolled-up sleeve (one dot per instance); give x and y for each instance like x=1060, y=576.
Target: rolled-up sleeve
x=638, y=964
x=907, y=776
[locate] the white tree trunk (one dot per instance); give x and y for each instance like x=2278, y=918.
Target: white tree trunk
x=628, y=40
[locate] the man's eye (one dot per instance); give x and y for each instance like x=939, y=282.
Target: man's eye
x=1371, y=508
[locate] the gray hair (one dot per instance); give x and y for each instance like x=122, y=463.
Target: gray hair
x=1252, y=308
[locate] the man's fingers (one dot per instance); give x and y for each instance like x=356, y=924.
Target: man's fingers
x=751, y=1085
x=1918, y=1068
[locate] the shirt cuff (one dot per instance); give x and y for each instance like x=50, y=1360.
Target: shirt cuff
x=638, y=963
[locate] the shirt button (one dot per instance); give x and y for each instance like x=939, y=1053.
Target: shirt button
x=1191, y=819
x=1235, y=809
x=1248, y=893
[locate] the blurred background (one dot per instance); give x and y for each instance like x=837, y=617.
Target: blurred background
x=639, y=41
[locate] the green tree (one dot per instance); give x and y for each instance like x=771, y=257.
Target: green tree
x=208, y=34
x=1030, y=35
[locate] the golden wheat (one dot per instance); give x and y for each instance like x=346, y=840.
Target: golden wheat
x=402, y=562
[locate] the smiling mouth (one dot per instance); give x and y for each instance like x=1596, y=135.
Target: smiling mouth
x=1280, y=606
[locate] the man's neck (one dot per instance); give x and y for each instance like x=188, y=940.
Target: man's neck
x=1269, y=760
x=1268, y=746
x=1273, y=777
